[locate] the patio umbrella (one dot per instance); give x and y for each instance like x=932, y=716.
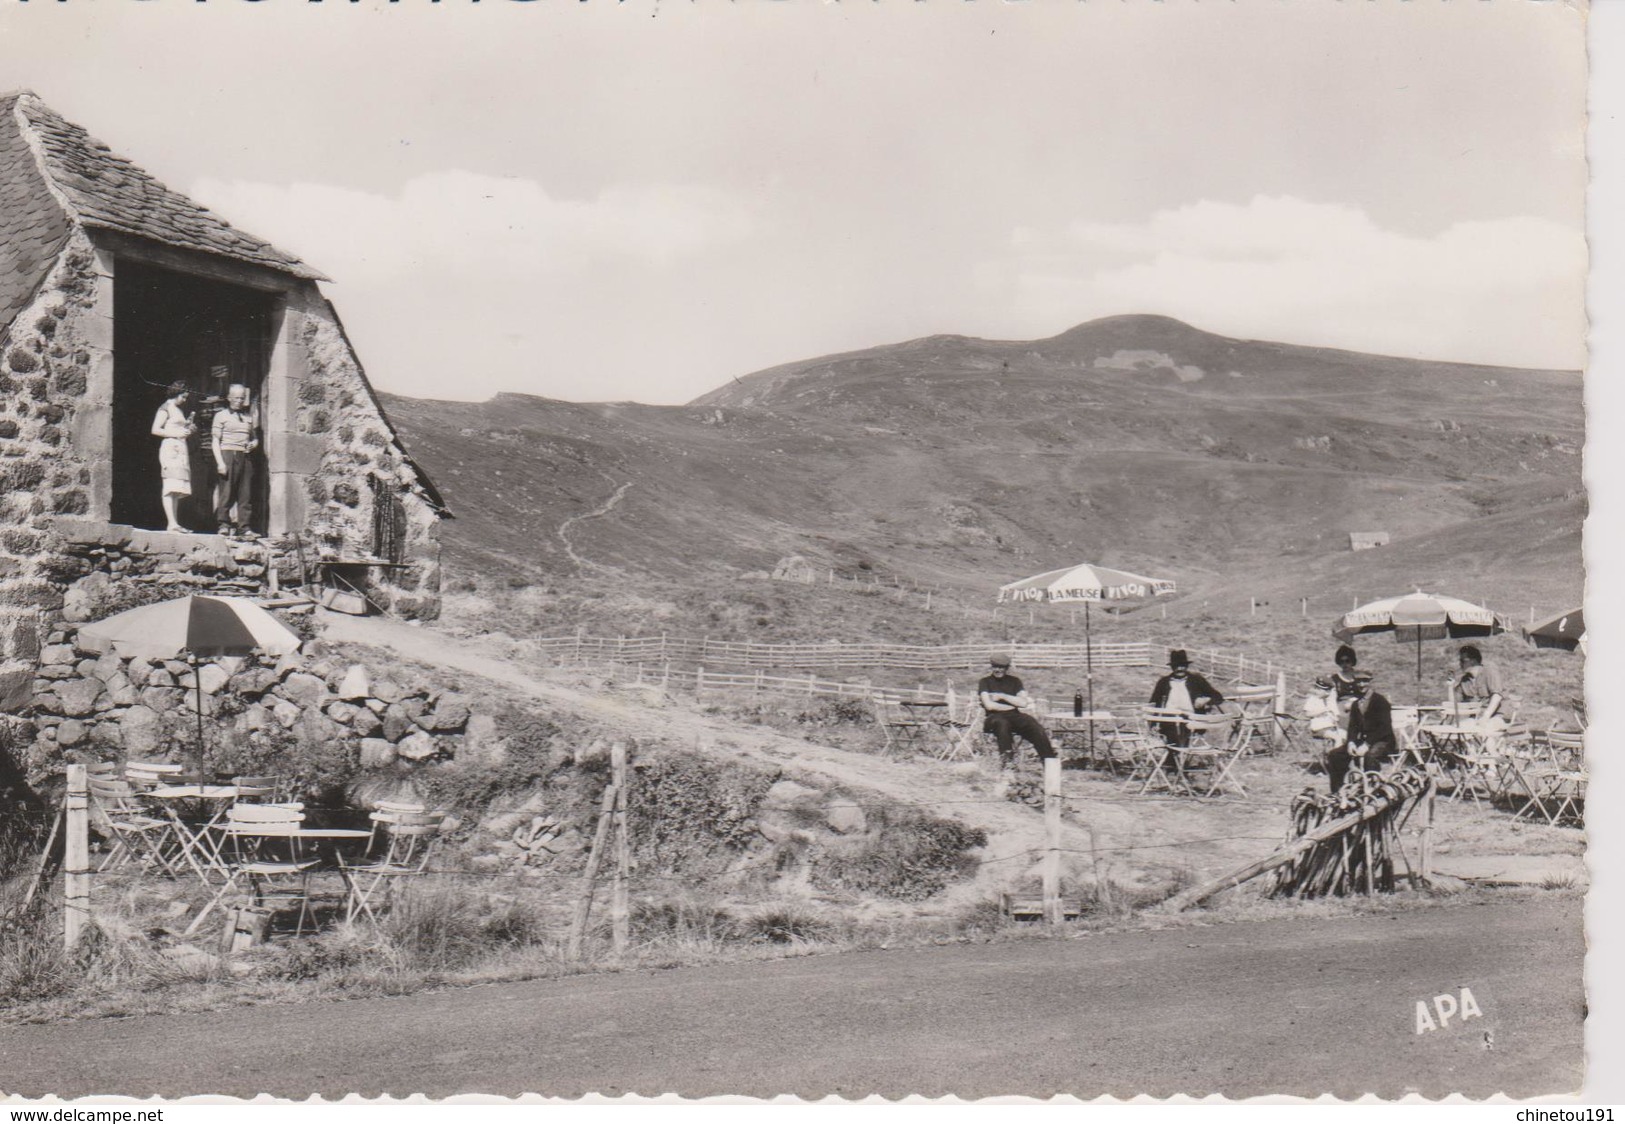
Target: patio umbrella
x=1566, y=631
x=191, y=626
x=1419, y=616
x=1087, y=583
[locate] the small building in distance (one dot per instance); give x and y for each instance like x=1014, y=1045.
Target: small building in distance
x=1365, y=540
x=113, y=286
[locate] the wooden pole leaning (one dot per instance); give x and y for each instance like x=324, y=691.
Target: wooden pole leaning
x=1052, y=840
x=619, y=912
x=76, y=860
x=578, y=924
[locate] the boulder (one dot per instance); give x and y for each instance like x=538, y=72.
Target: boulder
x=355, y=684
x=285, y=713
x=345, y=713
x=387, y=691
x=161, y=699
x=481, y=745
x=256, y=717
x=158, y=676
x=107, y=667
x=376, y=753
x=180, y=669
x=139, y=672
x=254, y=682
x=366, y=723
x=396, y=722
x=845, y=816
x=787, y=793
x=449, y=715
x=414, y=708
x=305, y=689
x=56, y=654
x=70, y=732
x=213, y=677
x=142, y=731
x=125, y=695
x=376, y=705
x=78, y=697
x=417, y=746
x=16, y=688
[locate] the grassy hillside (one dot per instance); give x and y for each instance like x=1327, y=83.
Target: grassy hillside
x=1237, y=467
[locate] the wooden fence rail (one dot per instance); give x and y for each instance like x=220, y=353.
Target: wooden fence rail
x=583, y=650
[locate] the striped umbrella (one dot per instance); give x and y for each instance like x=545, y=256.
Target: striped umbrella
x=1419, y=616
x=1566, y=631
x=1087, y=583
x=191, y=626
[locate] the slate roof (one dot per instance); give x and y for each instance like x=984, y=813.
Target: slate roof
x=103, y=189
x=32, y=225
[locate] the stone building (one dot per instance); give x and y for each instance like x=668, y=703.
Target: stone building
x=111, y=287
x=1367, y=540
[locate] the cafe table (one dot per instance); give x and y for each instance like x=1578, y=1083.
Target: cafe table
x=201, y=852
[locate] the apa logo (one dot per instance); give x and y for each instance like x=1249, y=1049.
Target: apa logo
x=1445, y=1008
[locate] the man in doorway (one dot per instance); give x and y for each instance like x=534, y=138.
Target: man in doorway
x=235, y=439
x=1006, y=701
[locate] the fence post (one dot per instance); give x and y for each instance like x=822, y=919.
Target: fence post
x=76, y=859
x=1277, y=731
x=1053, y=913
x=578, y=924
x=699, y=680
x=1427, y=835
x=619, y=913
x=581, y=631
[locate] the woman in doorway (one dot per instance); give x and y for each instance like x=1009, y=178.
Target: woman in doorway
x=174, y=425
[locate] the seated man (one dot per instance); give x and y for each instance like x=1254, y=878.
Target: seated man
x=1005, y=699
x=1185, y=691
x=1370, y=739
x=1477, y=683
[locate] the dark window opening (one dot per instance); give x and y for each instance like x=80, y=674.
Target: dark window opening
x=170, y=326
x=388, y=521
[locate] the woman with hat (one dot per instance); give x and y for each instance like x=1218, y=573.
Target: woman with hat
x=1370, y=730
x=1185, y=691
x=174, y=425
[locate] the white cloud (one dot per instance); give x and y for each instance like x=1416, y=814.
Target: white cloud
x=1506, y=291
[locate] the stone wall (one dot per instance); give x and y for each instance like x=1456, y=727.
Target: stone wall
x=102, y=707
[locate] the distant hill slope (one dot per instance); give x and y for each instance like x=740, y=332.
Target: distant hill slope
x=1138, y=441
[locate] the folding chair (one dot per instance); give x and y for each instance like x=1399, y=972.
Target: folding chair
x=147, y=775
x=1159, y=765
x=410, y=840
x=1120, y=747
x=960, y=728
x=260, y=790
x=264, y=848
x=898, y=726
x=136, y=835
x=1256, y=706
x=1216, y=745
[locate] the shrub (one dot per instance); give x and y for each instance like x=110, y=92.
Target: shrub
x=683, y=918
x=689, y=813
x=470, y=789
x=785, y=924
x=910, y=856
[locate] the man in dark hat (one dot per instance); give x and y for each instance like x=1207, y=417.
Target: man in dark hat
x=1185, y=691
x=1005, y=699
x=1371, y=738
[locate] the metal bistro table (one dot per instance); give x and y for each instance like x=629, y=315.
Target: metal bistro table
x=936, y=716
x=201, y=852
x=1081, y=733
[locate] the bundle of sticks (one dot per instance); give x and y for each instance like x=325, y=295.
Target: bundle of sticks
x=1347, y=842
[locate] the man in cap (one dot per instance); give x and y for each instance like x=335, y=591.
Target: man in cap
x=1371, y=738
x=235, y=437
x=1185, y=691
x=1006, y=701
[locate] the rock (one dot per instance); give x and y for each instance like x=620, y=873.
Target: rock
x=126, y=695
x=139, y=672
x=376, y=705
x=159, y=677
x=254, y=682
x=845, y=816
x=413, y=708
x=340, y=712
x=396, y=722
x=86, y=669
x=142, y=731
x=256, y=717
x=387, y=691
x=56, y=654
x=481, y=745
x=418, y=746
x=449, y=715
x=116, y=682
x=376, y=753
x=70, y=732
x=213, y=677
x=285, y=713
x=366, y=723
x=78, y=697
x=785, y=793
x=16, y=688
x=316, y=729
x=354, y=685
x=161, y=699
x=107, y=667
x=180, y=669
x=305, y=689
x=287, y=665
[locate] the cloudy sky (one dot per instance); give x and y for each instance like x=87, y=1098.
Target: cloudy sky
x=640, y=201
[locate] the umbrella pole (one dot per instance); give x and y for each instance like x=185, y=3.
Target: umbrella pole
x=1089, y=676
x=197, y=681
x=1419, y=669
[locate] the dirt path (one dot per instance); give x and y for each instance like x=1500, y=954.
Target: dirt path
x=1135, y=839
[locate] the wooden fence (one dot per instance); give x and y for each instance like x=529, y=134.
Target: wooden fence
x=689, y=652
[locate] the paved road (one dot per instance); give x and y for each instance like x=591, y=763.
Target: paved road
x=1288, y=1006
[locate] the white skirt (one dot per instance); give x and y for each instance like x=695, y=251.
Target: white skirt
x=175, y=462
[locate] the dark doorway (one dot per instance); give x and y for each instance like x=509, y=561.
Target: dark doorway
x=170, y=326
